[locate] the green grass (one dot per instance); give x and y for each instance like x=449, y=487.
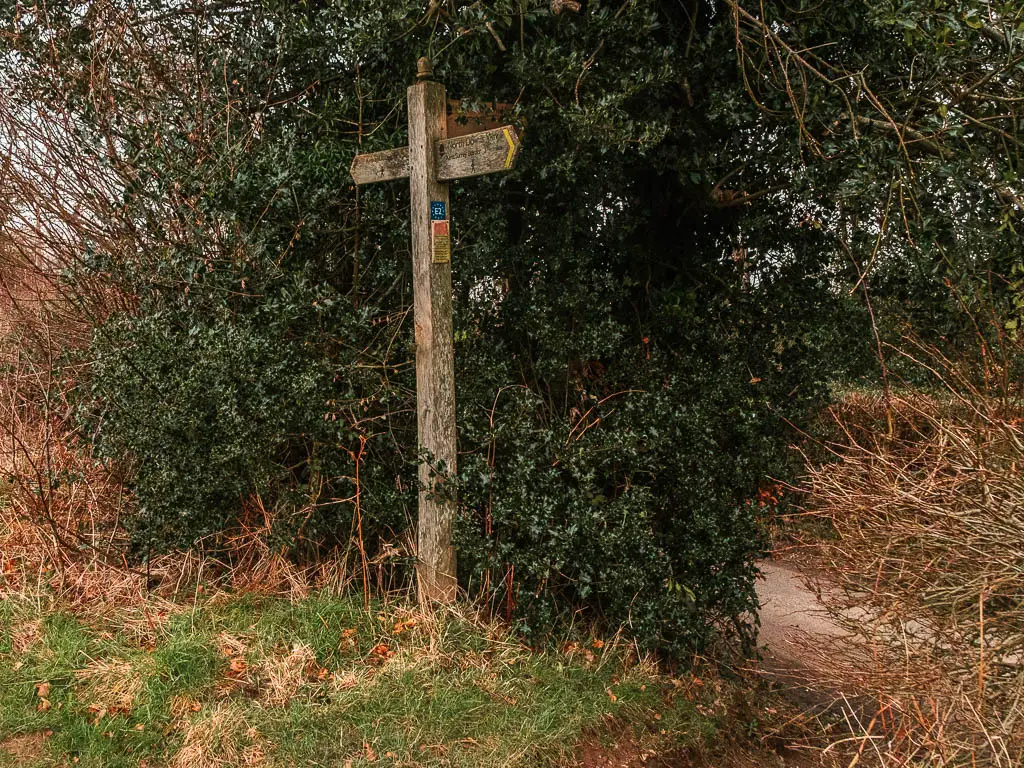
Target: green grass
x=314, y=682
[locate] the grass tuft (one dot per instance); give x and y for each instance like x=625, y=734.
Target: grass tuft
x=317, y=682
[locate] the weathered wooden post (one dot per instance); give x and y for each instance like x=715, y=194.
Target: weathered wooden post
x=435, y=354
x=431, y=161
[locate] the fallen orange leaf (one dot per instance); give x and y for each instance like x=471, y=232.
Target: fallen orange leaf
x=381, y=651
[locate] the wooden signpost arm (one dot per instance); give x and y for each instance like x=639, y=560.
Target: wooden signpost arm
x=435, y=366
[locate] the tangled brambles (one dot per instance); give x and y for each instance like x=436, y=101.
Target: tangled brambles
x=925, y=500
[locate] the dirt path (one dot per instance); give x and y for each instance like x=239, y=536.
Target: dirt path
x=789, y=713
x=791, y=617
x=798, y=642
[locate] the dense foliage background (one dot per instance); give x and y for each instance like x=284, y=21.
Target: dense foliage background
x=718, y=211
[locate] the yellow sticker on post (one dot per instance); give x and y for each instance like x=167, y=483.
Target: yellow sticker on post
x=440, y=242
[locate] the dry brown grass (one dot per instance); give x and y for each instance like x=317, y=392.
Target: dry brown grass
x=926, y=571
x=25, y=635
x=60, y=509
x=111, y=685
x=217, y=738
x=61, y=533
x=184, y=706
x=286, y=673
x=26, y=747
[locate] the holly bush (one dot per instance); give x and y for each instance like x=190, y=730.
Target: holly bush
x=644, y=307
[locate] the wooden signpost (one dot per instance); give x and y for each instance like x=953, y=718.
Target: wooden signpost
x=430, y=161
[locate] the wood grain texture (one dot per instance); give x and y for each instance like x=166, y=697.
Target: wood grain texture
x=380, y=166
x=462, y=120
x=470, y=154
x=477, y=153
x=435, y=364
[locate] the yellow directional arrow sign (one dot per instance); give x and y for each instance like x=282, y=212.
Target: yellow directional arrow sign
x=477, y=153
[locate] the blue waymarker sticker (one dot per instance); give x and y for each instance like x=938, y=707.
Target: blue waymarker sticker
x=438, y=210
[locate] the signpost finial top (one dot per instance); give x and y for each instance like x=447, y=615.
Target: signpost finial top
x=424, y=69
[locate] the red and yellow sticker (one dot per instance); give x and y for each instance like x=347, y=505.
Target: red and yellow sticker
x=440, y=242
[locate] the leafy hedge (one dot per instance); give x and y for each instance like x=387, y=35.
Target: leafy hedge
x=640, y=314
